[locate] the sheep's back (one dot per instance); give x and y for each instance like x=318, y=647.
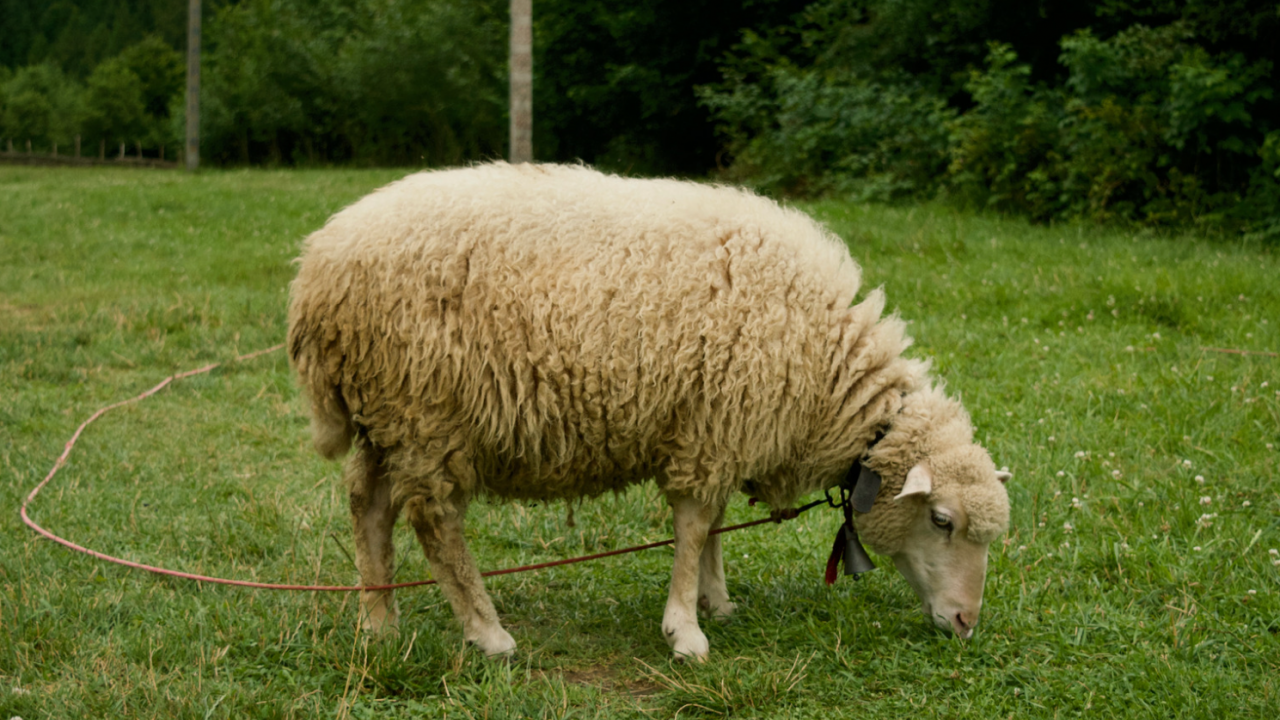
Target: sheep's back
x=579, y=330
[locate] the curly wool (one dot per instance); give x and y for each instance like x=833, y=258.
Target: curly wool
x=553, y=332
x=932, y=428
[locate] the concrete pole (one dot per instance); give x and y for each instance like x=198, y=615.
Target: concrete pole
x=193, y=85
x=521, y=108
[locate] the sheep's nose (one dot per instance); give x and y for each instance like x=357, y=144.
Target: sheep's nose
x=964, y=622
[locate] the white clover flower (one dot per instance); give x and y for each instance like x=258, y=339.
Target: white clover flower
x=1061, y=474
x=1253, y=592
x=1066, y=527
x=1141, y=504
x=1075, y=503
x=1056, y=494
x=1186, y=464
x=1205, y=500
x=1196, y=548
x=1206, y=520
x=1200, y=479
x=1021, y=548
x=1079, y=454
x=1124, y=546
x=1246, y=503
x=1265, y=383
x=1116, y=474
x=1273, y=552
x=1065, y=545
x=1128, y=348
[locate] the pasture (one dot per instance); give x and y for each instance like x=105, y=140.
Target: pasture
x=1139, y=577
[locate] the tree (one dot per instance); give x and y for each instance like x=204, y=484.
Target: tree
x=42, y=105
x=115, y=110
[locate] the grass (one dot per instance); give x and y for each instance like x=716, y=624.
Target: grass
x=1136, y=580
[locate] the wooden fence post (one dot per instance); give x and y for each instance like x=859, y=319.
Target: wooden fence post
x=121, y=152
x=28, y=146
x=521, y=68
x=102, y=148
x=77, y=147
x=192, y=148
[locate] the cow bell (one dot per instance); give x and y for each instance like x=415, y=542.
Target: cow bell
x=856, y=560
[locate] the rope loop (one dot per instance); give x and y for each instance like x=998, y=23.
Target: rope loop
x=776, y=517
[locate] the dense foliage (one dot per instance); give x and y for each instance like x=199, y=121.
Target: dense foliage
x=1159, y=113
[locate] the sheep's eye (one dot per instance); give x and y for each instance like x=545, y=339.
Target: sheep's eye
x=942, y=521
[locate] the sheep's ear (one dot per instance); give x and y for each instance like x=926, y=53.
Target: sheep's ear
x=919, y=482
x=1003, y=475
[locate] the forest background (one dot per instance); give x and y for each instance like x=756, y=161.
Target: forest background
x=1159, y=112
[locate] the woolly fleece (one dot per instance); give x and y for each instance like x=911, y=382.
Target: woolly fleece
x=552, y=332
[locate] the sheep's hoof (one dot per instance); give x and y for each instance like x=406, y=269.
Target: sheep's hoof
x=691, y=647
x=379, y=622
x=496, y=644
x=721, y=610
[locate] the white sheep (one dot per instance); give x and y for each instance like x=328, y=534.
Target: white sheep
x=545, y=332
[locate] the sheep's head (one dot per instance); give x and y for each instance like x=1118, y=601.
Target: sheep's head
x=937, y=530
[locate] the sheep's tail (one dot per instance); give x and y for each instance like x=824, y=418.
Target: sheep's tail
x=331, y=426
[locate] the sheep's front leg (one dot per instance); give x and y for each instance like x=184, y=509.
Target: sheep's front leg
x=441, y=535
x=693, y=520
x=713, y=596
x=372, y=519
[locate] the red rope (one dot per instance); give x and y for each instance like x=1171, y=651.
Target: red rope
x=66, y=452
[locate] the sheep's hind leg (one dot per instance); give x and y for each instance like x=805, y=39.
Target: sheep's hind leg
x=372, y=518
x=693, y=520
x=713, y=595
x=441, y=537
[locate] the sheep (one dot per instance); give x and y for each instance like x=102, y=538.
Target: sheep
x=549, y=332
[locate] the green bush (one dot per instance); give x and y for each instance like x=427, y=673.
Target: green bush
x=1130, y=135
x=806, y=133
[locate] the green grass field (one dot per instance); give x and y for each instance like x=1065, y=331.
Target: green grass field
x=1138, y=578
